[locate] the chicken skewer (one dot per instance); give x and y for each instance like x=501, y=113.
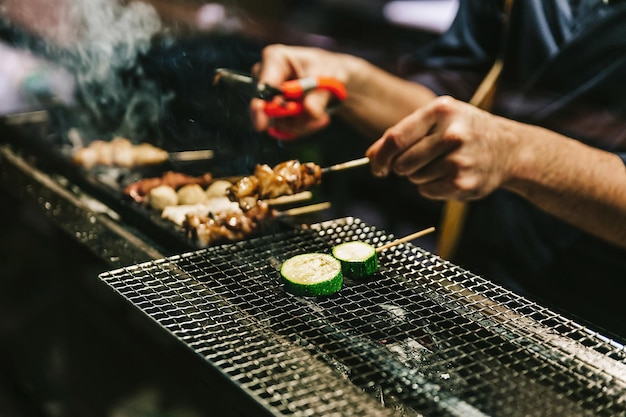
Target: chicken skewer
x=286, y=183
x=140, y=190
x=287, y=178
x=239, y=224
x=252, y=193
x=246, y=203
x=121, y=152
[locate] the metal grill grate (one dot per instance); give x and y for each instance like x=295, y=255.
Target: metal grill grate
x=422, y=337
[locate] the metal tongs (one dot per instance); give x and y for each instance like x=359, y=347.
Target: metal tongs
x=286, y=99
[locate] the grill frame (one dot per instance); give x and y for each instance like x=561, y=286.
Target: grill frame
x=219, y=297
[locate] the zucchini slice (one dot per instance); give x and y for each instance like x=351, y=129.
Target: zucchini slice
x=312, y=274
x=358, y=259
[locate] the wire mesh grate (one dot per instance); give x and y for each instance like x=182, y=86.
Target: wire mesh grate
x=421, y=337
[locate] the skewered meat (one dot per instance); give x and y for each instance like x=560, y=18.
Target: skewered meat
x=218, y=188
x=161, y=197
x=140, y=189
x=223, y=226
x=178, y=213
x=191, y=194
x=286, y=178
x=119, y=152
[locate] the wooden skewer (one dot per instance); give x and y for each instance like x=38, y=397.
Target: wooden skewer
x=185, y=156
x=337, y=167
x=405, y=239
x=288, y=199
x=38, y=116
x=345, y=165
x=303, y=210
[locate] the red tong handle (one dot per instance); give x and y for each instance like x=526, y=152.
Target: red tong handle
x=279, y=107
x=293, y=92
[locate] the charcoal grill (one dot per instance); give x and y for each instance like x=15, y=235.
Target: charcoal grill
x=421, y=337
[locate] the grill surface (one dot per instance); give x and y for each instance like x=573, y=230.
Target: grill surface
x=421, y=337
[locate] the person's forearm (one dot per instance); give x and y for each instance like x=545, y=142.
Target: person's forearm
x=377, y=99
x=582, y=185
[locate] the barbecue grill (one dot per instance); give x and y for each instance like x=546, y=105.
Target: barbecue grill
x=422, y=336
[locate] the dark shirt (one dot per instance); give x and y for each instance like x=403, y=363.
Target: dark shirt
x=565, y=69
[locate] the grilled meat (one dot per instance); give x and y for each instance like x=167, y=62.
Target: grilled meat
x=119, y=152
x=287, y=178
x=161, y=197
x=178, y=213
x=139, y=190
x=233, y=225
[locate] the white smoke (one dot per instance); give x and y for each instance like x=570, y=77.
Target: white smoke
x=109, y=39
x=110, y=36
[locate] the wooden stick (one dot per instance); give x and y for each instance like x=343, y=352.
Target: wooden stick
x=346, y=165
x=184, y=156
x=288, y=199
x=405, y=239
x=38, y=116
x=303, y=210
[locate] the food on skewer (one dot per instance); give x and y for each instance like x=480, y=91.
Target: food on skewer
x=139, y=190
x=286, y=178
x=217, y=203
x=312, y=274
x=161, y=197
x=195, y=211
x=218, y=188
x=191, y=194
x=219, y=226
x=119, y=152
x=358, y=259
x=237, y=224
x=177, y=213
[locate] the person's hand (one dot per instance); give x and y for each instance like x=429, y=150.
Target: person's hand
x=281, y=63
x=449, y=149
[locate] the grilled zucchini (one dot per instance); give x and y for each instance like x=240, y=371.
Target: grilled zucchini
x=312, y=274
x=358, y=259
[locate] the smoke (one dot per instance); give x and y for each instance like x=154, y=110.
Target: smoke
x=111, y=36
x=138, y=78
x=115, y=97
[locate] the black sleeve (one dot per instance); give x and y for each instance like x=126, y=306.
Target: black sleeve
x=470, y=44
x=455, y=63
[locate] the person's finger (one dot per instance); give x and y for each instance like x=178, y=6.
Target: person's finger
x=447, y=180
x=380, y=153
x=433, y=171
x=424, y=153
x=275, y=66
x=260, y=120
x=397, y=139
